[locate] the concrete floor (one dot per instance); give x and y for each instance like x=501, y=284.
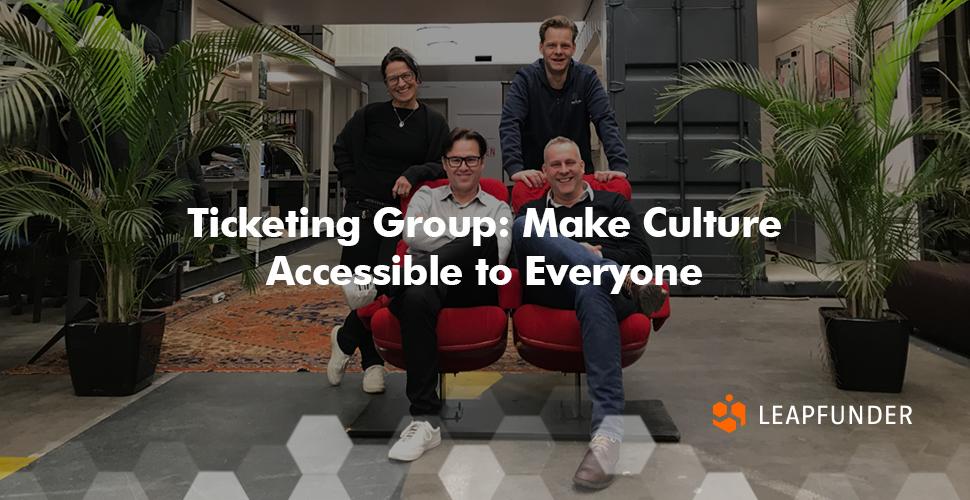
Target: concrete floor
x=281, y=435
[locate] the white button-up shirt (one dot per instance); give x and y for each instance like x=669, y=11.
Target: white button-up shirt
x=440, y=202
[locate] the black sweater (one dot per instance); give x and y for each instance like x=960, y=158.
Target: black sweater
x=348, y=149
x=629, y=250
x=534, y=112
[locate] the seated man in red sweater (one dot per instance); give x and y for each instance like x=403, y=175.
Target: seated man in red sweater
x=599, y=311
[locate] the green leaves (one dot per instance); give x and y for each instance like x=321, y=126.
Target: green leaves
x=890, y=61
x=730, y=76
x=833, y=160
x=30, y=86
x=125, y=100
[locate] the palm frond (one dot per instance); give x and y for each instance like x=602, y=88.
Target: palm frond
x=731, y=76
x=831, y=161
x=178, y=88
x=890, y=61
x=27, y=89
x=112, y=206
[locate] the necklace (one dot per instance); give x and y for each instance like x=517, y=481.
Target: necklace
x=400, y=121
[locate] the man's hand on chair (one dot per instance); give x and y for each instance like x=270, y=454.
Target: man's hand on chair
x=608, y=175
x=595, y=249
x=531, y=178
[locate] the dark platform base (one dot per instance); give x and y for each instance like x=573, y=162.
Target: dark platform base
x=514, y=419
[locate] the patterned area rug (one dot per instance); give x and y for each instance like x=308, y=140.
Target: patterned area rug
x=276, y=329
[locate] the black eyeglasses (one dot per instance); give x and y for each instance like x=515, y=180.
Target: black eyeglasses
x=456, y=161
x=406, y=77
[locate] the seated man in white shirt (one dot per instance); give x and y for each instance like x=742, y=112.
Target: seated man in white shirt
x=417, y=306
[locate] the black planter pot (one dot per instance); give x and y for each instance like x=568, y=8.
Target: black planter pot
x=114, y=359
x=868, y=355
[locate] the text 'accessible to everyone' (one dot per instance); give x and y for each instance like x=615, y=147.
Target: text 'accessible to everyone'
x=389, y=223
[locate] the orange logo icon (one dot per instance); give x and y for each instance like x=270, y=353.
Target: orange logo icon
x=729, y=424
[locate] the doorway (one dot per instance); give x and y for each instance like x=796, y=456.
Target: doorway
x=439, y=105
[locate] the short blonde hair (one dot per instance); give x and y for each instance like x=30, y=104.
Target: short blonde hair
x=555, y=141
x=561, y=22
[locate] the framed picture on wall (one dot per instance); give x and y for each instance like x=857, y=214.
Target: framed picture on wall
x=790, y=65
x=823, y=76
x=881, y=37
x=841, y=82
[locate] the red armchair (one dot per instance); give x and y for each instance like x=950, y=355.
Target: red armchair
x=468, y=338
x=551, y=338
x=473, y=338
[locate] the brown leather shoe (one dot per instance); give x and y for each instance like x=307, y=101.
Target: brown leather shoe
x=596, y=469
x=649, y=298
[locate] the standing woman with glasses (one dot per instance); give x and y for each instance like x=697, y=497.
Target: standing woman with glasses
x=383, y=151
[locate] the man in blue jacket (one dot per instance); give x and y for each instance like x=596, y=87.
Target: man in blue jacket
x=556, y=96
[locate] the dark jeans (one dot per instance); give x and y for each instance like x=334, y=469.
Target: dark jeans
x=599, y=313
x=372, y=250
x=417, y=308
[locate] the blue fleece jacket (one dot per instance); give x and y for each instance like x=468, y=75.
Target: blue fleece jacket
x=534, y=113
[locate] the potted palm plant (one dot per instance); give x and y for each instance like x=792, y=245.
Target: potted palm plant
x=137, y=118
x=831, y=160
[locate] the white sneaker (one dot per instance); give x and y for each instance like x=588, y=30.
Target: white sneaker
x=374, y=379
x=359, y=295
x=416, y=439
x=338, y=360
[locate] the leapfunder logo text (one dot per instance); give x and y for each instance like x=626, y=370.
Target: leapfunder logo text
x=805, y=414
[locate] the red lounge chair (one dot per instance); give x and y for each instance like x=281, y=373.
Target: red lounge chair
x=551, y=338
x=468, y=338
x=473, y=338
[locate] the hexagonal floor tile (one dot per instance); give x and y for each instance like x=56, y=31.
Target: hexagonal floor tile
x=319, y=444
x=877, y=471
x=923, y=485
x=368, y=473
x=314, y=487
x=725, y=486
x=423, y=487
x=522, y=488
x=430, y=463
x=115, y=486
x=673, y=472
x=636, y=448
x=216, y=486
x=268, y=472
x=523, y=457
x=560, y=468
x=957, y=471
x=166, y=471
x=22, y=486
x=471, y=472
x=67, y=468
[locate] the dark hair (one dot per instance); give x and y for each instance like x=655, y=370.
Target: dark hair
x=462, y=134
x=561, y=22
x=399, y=54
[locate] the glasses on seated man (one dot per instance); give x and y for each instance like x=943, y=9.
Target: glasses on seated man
x=456, y=161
